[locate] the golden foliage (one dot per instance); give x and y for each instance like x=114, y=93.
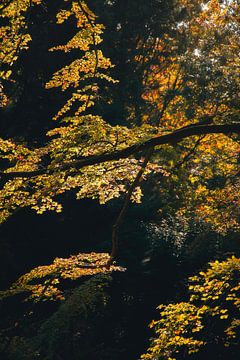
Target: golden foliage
x=14, y=36
x=45, y=282
x=214, y=296
x=87, y=67
x=190, y=82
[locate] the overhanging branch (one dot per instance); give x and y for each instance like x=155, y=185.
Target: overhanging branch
x=171, y=138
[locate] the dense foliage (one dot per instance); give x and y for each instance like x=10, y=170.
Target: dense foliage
x=208, y=322
x=119, y=102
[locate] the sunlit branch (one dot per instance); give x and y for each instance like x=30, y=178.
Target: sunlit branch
x=172, y=138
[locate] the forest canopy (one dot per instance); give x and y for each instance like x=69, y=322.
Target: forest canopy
x=190, y=86
x=134, y=105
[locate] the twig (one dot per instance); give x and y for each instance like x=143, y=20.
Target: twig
x=189, y=154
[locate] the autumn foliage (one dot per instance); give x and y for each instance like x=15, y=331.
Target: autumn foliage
x=180, y=134
x=210, y=317
x=187, y=84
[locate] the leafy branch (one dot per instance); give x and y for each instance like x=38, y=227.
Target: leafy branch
x=171, y=138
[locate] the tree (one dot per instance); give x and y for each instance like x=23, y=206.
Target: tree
x=172, y=119
x=103, y=161
x=206, y=324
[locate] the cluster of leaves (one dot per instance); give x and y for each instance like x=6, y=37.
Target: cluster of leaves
x=209, y=318
x=45, y=282
x=192, y=78
x=84, y=136
x=80, y=135
x=182, y=72
x=215, y=179
x=87, y=68
x=73, y=319
x=69, y=330
x=14, y=36
x=195, y=81
x=214, y=35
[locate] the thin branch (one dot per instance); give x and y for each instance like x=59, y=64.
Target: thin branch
x=17, y=49
x=189, y=154
x=171, y=138
x=94, y=47
x=126, y=204
x=167, y=99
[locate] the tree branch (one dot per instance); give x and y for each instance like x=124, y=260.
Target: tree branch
x=189, y=154
x=126, y=203
x=94, y=47
x=171, y=139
